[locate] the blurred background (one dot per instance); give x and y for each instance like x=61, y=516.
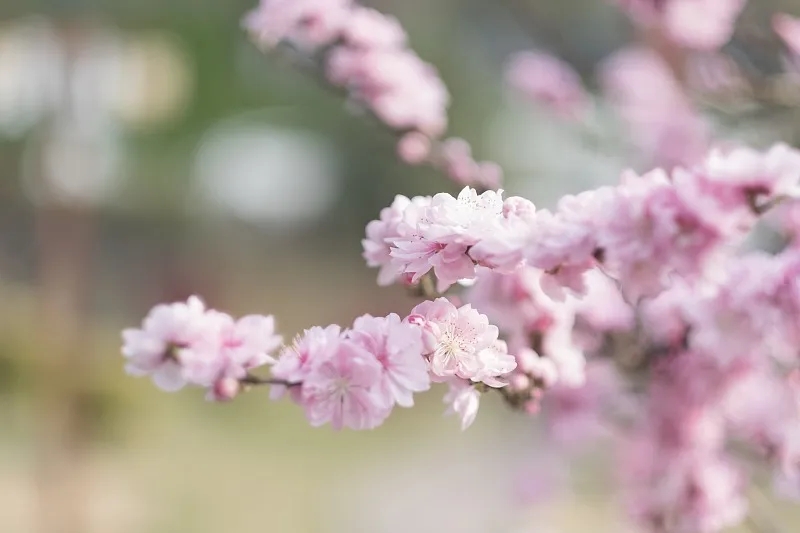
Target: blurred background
x=148, y=152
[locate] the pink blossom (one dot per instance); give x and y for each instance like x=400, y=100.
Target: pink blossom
x=463, y=400
x=568, y=237
x=528, y=317
x=701, y=24
x=449, y=261
x=298, y=360
x=398, y=348
x=306, y=22
x=438, y=236
x=542, y=369
x=369, y=28
x=414, y=148
x=603, y=308
x=548, y=80
x=158, y=348
x=684, y=493
x=788, y=28
x=230, y=348
x=740, y=175
x=661, y=121
x=380, y=233
x=343, y=387
x=225, y=389
x=402, y=90
x=458, y=162
x=664, y=224
x=494, y=361
x=459, y=337
x=490, y=175
x=697, y=24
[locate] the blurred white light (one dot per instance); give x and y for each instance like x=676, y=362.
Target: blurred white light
x=107, y=76
x=153, y=81
x=73, y=165
x=32, y=76
x=266, y=175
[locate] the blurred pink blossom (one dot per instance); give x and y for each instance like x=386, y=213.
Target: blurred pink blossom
x=548, y=81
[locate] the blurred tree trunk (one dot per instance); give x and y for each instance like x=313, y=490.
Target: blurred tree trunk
x=63, y=241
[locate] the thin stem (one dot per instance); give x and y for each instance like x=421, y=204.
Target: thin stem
x=426, y=288
x=256, y=381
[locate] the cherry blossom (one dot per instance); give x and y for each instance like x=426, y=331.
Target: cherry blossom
x=343, y=387
x=159, y=347
x=463, y=400
x=464, y=343
x=398, y=348
x=697, y=24
x=549, y=81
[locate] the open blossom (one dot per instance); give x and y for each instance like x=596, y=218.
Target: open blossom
x=297, y=361
x=462, y=342
x=439, y=235
x=398, y=348
x=380, y=234
x=185, y=343
x=548, y=80
x=230, y=349
x=157, y=348
x=463, y=400
x=343, y=387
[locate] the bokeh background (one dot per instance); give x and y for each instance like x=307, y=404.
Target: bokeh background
x=148, y=152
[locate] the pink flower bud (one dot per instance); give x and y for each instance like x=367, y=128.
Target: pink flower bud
x=430, y=331
x=225, y=389
x=414, y=148
x=527, y=359
x=519, y=382
x=533, y=407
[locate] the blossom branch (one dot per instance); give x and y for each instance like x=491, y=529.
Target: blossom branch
x=362, y=54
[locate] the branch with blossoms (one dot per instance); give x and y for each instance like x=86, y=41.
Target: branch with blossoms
x=362, y=53
x=689, y=60
x=639, y=313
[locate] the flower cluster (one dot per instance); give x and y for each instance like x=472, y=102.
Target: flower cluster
x=697, y=24
x=641, y=231
x=185, y=343
x=346, y=377
x=353, y=378
x=449, y=236
x=366, y=53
